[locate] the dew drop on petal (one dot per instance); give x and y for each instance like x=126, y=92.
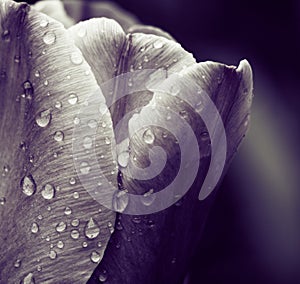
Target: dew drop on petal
x=92, y=123
x=6, y=35
x=52, y=254
x=43, y=118
x=76, y=58
x=103, y=108
x=103, y=276
x=148, y=136
x=60, y=244
x=87, y=142
x=34, y=228
x=148, y=197
x=58, y=105
x=120, y=200
x=123, y=159
x=49, y=37
x=2, y=200
x=17, y=263
x=107, y=140
x=75, y=222
x=58, y=136
x=76, y=120
x=28, y=279
x=91, y=229
x=72, y=181
x=74, y=234
x=44, y=23
x=68, y=211
x=174, y=90
x=28, y=185
x=85, y=168
x=60, y=227
x=73, y=99
x=84, y=244
x=76, y=195
x=158, y=44
x=95, y=257
x=48, y=191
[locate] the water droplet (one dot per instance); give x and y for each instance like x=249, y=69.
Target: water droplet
x=204, y=135
x=91, y=229
x=76, y=120
x=87, y=142
x=120, y=200
x=84, y=168
x=2, y=200
x=34, y=228
x=28, y=279
x=103, y=108
x=49, y=37
x=52, y=254
x=148, y=197
x=60, y=244
x=6, y=35
x=46, y=83
x=28, y=185
x=95, y=257
x=158, y=44
x=123, y=159
x=92, y=123
x=74, y=234
x=84, y=244
x=173, y=261
x=148, y=136
x=119, y=226
x=146, y=59
x=68, y=211
x=174, y=90
x=75, y=222
x=73, y=99
x=103, y=124
x=48, y=191
x=17, y=263
x=107, y=140
x=58, y=105
x=44, y=23
x=58, y=136
x=103, y=276
x=60, y=227
x=76, y=195
x=72, y=181
x=37, y=73
x=99, y=244
x=76, y=58
x=183, y=113
x=43, y=118
x=40, y=217
x=136, y=219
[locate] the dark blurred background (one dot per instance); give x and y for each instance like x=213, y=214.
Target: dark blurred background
x=253, y=232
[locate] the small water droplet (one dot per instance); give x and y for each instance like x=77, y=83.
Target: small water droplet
x=174, y=90
x=17, y=263
x=6, y=35
x=28, y=185
x=43, y=118
x=87, y=142
x=34, y=228
x=2, y=200
x=40, y=217
x=148, y=136
x=99, y=244
x=74, y=234
x=76, y=58
x=92, y=123
x=173, y=261
x=37, y=73
x=73, y=99
x=183, y=113
x=119, y=226
x=52, y=254
x=60, y=227
x=46, y=83
x=49, y=37
x=148, y=197
x=72, y=181
x=84, y=168
x=107, y=140
x=120, y=200
x=28, y=279
x=91, y=229
x=76, y=195
x=17, y=59
x=58, y=136
x=60, y=244
x=44, y=23
x=123, y=159
x=75, y=222
x=158, y=44
x=95, y=257
x=136, y=219
x=146, y=59
x=84, y=244
x=76, y=120
x=58, y=105
x=103, y=276
x=48, y=191
x=68, y=211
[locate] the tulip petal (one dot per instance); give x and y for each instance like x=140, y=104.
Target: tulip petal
x=157, y=248
x=51, y=230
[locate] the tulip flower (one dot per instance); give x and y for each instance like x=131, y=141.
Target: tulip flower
x=93, y=121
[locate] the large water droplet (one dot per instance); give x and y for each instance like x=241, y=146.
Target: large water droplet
x=28, y=185
x=74, y=234
x=120, y=200
x=28, y=279
x=43, y=118
x=34, y=228
x=60, y=227
x=148, y=197
x=49, y=37
x=148, y=136
x=91, y=229
x=76, y=58
x=95, y=257
x=73, y=99
x=44, y=23
x=58, y=136
x=48, y=191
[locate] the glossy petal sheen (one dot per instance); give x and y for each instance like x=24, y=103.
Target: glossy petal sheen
x=157, y=248
x=48, y=216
